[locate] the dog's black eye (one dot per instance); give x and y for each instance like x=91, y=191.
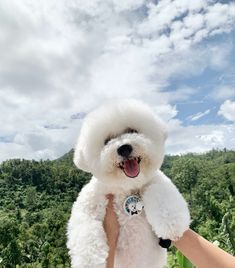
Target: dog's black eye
x=107, y=140
x=131, y=130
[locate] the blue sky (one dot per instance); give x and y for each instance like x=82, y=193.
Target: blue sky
x=206, y=83
x=60, y=59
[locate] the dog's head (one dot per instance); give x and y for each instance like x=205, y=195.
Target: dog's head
x=121, y=143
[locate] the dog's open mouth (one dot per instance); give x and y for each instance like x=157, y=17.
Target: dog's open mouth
x=131, y=166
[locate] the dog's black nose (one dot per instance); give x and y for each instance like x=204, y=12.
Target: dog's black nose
x=125, y=150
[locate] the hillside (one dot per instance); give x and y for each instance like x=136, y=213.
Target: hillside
x=36, y=199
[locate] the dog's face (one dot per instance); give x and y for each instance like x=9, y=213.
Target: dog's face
x=121, y=143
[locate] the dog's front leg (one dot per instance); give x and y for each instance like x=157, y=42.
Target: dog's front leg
x=165, y=208
x=86, y=237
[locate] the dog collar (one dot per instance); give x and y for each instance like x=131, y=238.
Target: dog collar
x=133, y=205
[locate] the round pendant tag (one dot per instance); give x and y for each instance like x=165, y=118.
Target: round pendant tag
x=133, y=205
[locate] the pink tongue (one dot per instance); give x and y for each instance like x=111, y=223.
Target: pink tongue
x=131, y=168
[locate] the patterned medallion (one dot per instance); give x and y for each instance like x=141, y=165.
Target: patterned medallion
x=133, y=205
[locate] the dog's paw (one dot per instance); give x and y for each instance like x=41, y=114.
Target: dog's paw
x=165, y=209
x=172, y=230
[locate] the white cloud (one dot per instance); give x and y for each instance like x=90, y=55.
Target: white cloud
x=123, y=5
x=223, y=92
x=40, y=143
x=182, y=93
x=227, y=110
x=220, y=56
x=187, y=22
x=59, y=58
x=220, y=14
x=166, y=112
x=199, y=138
x=194, y=21
x=199, y=115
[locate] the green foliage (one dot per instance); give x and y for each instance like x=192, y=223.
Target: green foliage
x=35, y=204
x=36, y=199
x=183, y=261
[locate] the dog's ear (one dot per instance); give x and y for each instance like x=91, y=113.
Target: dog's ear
x=79, y=159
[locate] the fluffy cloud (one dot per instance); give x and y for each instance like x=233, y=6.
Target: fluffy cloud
x=60, y=58
x=227, y=110
x=187, y=22
x=199, y=138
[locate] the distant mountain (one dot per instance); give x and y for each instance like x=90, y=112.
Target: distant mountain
x=66, y=158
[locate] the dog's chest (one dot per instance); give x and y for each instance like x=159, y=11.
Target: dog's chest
x=133, y=223
x=137, y=244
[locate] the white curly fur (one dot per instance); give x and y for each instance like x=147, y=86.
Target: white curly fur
x=165, y=212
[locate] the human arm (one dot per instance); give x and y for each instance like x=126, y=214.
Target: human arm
x=197, y=249
x=111, y=227
x=202, y=253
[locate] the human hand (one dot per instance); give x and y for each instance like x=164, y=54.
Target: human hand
x=111, y=225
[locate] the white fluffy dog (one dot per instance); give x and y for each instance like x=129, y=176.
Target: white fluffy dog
x=122, y=145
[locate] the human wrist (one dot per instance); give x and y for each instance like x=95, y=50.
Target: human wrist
x=111, y=256
x=112, y=245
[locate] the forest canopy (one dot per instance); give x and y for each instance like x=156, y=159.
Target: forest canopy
x=36, y=199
